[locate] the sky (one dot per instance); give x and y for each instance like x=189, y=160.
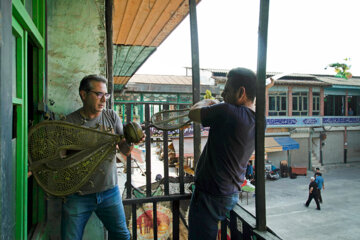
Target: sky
x=304, y=36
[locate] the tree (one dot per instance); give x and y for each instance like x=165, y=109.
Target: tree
x=341, y=69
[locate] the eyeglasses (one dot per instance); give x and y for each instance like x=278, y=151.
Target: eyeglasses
x=100, y=95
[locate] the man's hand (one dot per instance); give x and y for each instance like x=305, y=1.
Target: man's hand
x=195, y=110
x=125, y=148
x=142, y=139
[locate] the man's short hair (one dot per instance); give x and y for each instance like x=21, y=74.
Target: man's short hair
x=243, y=77
x=318, y=168
x=317, y=174
x=85, y=83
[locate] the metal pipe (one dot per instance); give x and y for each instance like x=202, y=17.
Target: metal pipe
x=260, y=117
x=148, y=151
x=195, y=75
x=128, y=158
x=310, y=147
x=166, y=158
x=109, y=49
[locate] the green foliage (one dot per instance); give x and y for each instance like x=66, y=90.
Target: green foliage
x=341, y=69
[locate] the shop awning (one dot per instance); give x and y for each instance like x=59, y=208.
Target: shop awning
x=278, y=144
x=287, y=143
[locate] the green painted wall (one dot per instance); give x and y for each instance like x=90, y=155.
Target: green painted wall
x=76, y=47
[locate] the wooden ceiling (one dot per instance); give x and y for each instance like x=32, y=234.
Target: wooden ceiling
x=139, y=27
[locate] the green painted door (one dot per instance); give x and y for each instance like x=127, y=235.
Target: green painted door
x=19, y=100
x=28, y=28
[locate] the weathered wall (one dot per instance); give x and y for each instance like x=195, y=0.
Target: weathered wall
x=7, y=165
x=316, y=145
x=333, y=150
x=76, y=47
x=353, y=154
x=277, y=157
x=300, y=157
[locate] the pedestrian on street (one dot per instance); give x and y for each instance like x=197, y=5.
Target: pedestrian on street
x=250, y=171
x=313, y=193
x=320, y=184
x=317, y=170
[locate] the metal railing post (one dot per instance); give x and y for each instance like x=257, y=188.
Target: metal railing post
x=195, y=75
x=260, y=117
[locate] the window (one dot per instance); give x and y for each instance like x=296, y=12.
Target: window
x=300, y=104
x=316, y=104
x=277, y=104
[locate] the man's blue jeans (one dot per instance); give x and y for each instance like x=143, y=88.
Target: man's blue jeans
x=206, y=211
x=107, y=205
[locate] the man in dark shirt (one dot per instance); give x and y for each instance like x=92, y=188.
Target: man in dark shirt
x=313, y=193
x=222, y=164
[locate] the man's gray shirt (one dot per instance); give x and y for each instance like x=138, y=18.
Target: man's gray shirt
x=105, y=177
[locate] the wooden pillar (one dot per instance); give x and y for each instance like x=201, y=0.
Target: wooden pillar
x=346, y=103
x=290, y=101
x=310, y=102
x=321, y=102
x=266, y=102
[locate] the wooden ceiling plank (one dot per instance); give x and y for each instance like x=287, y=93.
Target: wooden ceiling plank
x=118, y=16
x=161, y=22
x=127, y=23
x=121, y=80
x=171, y=24
x=156, y=12
x=140, y=19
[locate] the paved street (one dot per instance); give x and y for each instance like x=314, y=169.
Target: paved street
x=339, y=217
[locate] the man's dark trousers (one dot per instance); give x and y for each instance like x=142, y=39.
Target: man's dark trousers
x=311, y=196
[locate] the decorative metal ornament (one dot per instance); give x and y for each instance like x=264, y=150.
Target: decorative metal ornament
x=63, y=156
x=170, y=119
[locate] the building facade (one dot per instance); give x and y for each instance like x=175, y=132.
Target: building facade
x=311, y=109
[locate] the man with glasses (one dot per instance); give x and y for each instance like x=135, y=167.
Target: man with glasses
x=101, y=194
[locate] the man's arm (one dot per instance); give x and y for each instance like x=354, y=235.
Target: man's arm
x=195, y=110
